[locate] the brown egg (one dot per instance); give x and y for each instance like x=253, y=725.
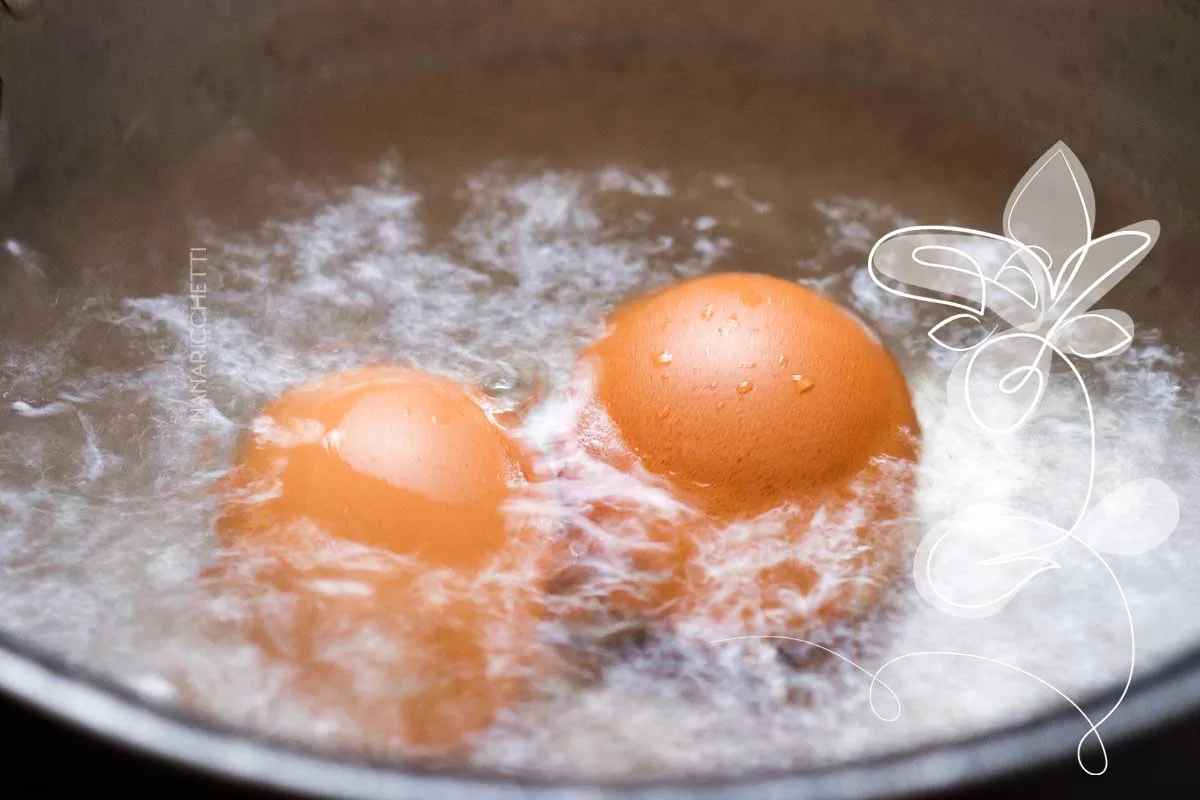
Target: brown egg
x=375, y=502
x=748, y=395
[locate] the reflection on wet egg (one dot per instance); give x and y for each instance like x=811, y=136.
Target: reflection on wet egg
x=377, y=500
x=750, y=398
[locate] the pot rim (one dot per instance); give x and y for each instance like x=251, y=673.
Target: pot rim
x=98, y=706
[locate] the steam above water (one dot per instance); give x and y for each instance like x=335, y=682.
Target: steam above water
x=108, y=455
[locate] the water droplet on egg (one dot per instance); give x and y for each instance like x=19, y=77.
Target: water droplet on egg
x=747, y=364
x=707, y=313
x=745, y=387
x=801, y=383
x=661, y=359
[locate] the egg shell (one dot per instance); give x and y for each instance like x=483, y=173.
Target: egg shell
x=745, y=393
x=373, y=504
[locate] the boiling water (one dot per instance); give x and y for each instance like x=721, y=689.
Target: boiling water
x=479, y=226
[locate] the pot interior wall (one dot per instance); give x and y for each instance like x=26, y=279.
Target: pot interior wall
x=82, y=77
x=1114, y=82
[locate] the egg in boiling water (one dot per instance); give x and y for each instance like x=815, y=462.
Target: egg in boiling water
x=748, y=397
x=377, y=502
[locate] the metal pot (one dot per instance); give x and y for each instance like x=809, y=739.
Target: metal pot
x=1116, y=81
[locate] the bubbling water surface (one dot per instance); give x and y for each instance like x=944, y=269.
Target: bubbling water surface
x=144, y=323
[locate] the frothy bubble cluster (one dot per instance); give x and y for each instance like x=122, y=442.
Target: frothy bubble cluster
x=106, y=505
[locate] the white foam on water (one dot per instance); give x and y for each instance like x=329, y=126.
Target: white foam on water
x=106, y=506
